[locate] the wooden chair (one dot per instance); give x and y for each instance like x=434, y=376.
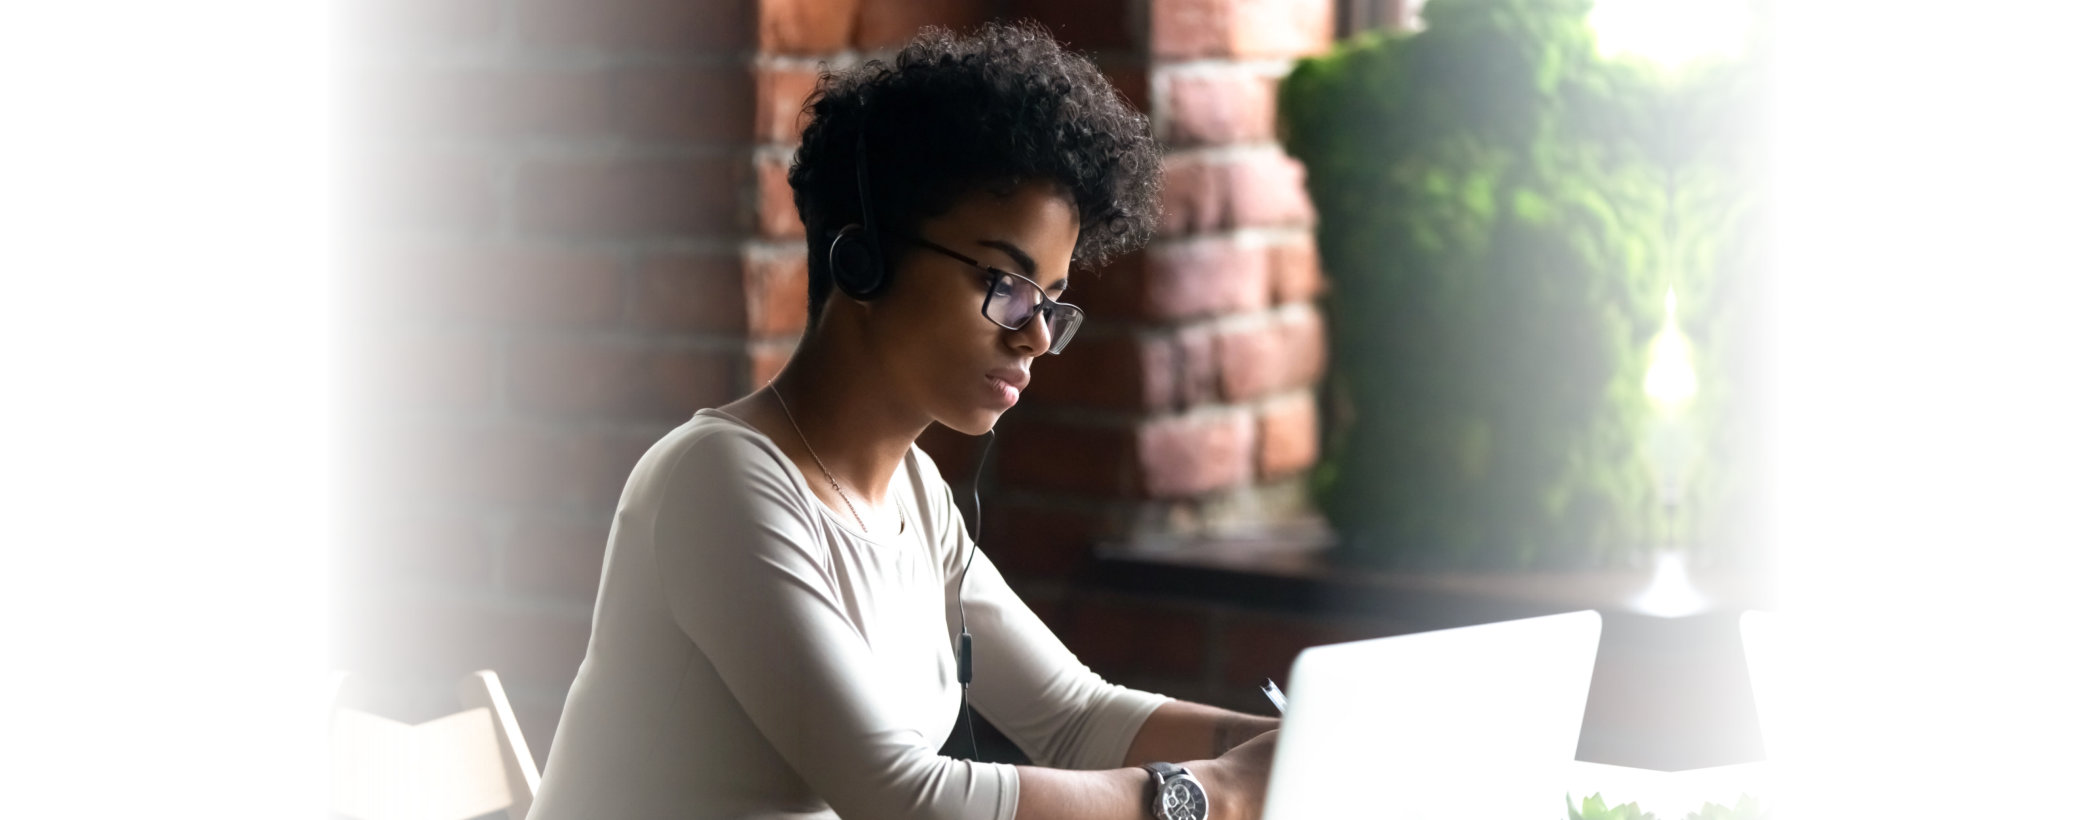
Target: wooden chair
x=454, y=767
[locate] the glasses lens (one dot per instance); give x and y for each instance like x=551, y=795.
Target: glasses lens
x=1063, y=321
x=1012, y=301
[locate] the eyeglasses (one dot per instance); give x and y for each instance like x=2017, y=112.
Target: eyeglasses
x=1012, y=300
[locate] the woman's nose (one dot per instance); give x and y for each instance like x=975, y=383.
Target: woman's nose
x=1033, y=338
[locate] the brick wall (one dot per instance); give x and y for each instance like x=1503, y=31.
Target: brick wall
x=546, y=268
x=567, y=227
x=1188, y=404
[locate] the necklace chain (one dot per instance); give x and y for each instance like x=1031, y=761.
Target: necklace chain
x=814, y=457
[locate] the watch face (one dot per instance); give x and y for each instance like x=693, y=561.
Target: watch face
x=1183, y=800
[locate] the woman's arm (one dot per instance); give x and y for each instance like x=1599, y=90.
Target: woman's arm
x=1235, y=781
x=749, y=581
x=1179, y=730
x=1062, y=794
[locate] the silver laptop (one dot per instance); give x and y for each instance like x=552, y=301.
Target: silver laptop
x=1762, y=659
x=1468, y=723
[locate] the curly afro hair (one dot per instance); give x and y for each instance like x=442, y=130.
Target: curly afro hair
x=950, y=114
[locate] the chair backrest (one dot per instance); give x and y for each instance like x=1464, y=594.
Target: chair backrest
x=481, y=689
x=454, y=767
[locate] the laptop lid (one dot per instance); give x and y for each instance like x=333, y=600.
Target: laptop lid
x=1762, y=660
x=1476, y=721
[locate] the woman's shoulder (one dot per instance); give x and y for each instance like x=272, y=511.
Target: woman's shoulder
x=710, y=443
x=925, y=474
x=711, y=428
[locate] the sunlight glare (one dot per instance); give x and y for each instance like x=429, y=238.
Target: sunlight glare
x=1671, y=32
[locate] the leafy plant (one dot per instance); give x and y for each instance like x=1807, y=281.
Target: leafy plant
x=1747, y=808
x=1595, y=808
x=1502, y=211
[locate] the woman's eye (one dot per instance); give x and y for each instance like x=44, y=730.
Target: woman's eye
x=1002, y=288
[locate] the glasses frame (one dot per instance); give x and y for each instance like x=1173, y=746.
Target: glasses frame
x=1047, y=306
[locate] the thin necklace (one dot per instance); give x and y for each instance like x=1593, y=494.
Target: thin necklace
x=814, y=456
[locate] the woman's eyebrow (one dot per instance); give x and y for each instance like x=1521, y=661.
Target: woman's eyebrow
x=1026, y=262
x=1020, y=257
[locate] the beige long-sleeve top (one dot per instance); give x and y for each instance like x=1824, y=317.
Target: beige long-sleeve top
x=755, y=655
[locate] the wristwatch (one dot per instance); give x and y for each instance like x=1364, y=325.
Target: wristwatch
x=1175, y=794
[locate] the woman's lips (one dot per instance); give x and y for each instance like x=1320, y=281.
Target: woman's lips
x=1007, y=393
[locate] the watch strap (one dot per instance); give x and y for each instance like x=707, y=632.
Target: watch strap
x=1161, y=772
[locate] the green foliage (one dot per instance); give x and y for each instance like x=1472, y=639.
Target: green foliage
x=1501, y=212
x=1747, y=808
x=1595, y=808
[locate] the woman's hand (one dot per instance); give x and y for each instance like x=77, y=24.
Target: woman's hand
x=1237, y=781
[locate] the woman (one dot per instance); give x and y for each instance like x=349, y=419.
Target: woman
x=788, y=580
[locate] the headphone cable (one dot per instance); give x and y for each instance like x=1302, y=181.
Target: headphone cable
x=962, y=659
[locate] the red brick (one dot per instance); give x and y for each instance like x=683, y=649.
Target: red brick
x=615, y=379
x=1187, y=29
x=1261, y=188
x=757, y=294
x=422, y=193
x=1250, y=362
x=520, y=286
x=444, y=548
x=1082, y=25
x=1121, y=637
x=1115, y=372
x=708, y=104
x=1204, y=276
x=890, y=23
x=1297, y=274
x=777, y=213
x=1266, y=189
x=1115, y=291
x=780, y=96
x=1285, y=354
x=691, y=292
x=393, y=23
x=431, y=637
x=419, y=104
x=1191, y=28
x=807, y=26
x=426, y=370
x=1287, y=436
x=1303, y=347
x=556, y=558
x=1193, y=199
x=777, y=294
x=1199, y=369
x=1185, y=456
x=1218, y=107
x=1183, y=278
x=671, y=25
x=764, y=360
x=1258, y=646
x=1282, y=28
x=1094, y=461
x=622, y=198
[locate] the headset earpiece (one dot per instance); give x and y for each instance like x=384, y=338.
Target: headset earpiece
x=856, y=259
x=856, y=264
